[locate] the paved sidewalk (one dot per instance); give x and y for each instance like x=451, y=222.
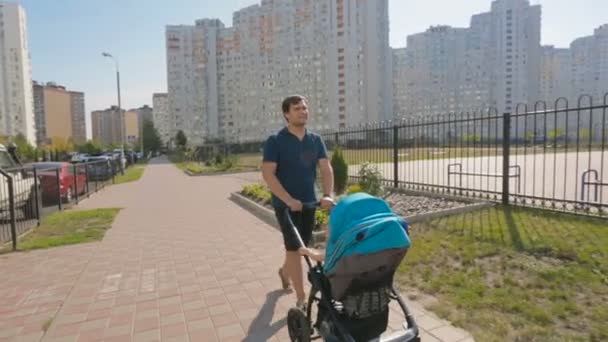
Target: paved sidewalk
x=181, y=263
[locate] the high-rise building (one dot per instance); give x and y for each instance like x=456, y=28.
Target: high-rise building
x=555, y=75
x=495, y=62
x=16, y=98
x=228, y=82
x=161, y=117
x=132, y=126
x=59, y=113
x=108, y=126
x=590, y=65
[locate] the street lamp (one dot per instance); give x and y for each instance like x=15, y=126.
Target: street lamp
x=123, y=128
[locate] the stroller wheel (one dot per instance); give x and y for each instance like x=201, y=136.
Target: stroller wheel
x=298, y=325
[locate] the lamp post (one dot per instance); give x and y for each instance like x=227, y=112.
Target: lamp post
x=120, y=114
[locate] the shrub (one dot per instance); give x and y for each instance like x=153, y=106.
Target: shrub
x=354, y=189
x=259, y=192
x=321, y=218
x=340, y=170
x=370, y=179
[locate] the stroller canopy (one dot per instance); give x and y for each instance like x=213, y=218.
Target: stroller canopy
x=363, y=224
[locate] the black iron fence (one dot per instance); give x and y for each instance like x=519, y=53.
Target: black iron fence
x=550, y=158
x=31, y=192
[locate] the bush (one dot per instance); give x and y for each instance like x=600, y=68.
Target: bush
x=354, y=189
x=258, y=192
x=321, y=218
x=340, y=170
x=370, y=179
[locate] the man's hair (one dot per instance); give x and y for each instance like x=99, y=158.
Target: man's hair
x=291, y=101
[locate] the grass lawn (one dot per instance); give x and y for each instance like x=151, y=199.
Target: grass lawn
x=132, y=174
x=245, y=163
x=69, y=227
x=514, y=274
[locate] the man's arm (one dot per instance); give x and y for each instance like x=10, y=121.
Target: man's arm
x=327, y=176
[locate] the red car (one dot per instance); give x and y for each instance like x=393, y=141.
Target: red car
x=47, y=173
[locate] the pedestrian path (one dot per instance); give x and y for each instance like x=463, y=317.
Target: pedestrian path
x=181, y=263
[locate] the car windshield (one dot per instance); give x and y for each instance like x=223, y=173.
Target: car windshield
x=6, y=162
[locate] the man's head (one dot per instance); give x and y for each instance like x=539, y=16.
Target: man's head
x=295, y=110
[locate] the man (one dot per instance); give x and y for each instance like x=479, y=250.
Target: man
x=291, y=157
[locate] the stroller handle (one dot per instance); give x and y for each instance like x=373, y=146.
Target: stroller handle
x=307, y=205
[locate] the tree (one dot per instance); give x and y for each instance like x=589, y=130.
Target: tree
x=25, y=150
x=90, y=147
x=340, y=170
x=151, y=138
x=180, y=139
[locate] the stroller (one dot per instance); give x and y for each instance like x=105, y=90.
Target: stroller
x=354, y=286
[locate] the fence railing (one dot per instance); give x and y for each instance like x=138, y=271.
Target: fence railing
x=31, y=192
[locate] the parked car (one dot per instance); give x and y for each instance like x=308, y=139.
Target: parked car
x=100, y=168
x=24, y=188
x=71, y=181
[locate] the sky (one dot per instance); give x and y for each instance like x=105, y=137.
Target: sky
x=67, y=37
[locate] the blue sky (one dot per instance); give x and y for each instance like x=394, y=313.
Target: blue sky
x=66, y=37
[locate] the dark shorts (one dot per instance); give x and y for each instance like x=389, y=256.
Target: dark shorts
x=304, y=221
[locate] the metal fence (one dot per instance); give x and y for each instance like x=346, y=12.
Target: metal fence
x=553, y=158
x=31, y=192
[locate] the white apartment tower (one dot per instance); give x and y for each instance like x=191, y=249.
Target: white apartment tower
x=333, y=52
x=16, y=93
x=590, y=65
x=493, y=63
x=555, y=75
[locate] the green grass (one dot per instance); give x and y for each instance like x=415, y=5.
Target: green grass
x=514, y=274
x=132, y=174
x=69, y=227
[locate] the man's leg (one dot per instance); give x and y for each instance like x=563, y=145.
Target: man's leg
x=304, y=222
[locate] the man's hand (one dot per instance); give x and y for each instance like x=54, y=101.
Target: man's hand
x=327, y=203
x=294, y=205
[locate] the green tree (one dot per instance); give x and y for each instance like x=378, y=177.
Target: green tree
x=151, y=138
x=180, y=139
x=25, y=150
x=340, y=168
x=90, y=147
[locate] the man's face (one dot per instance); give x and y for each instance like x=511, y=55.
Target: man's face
x=298, y=114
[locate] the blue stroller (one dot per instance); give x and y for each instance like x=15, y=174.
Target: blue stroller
x=354, y=286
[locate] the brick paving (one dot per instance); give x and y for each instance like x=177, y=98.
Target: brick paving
x=181, y=263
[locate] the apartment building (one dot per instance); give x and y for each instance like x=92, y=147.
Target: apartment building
x=161, y=117
x=16, y=98
x=228, y=82
x=59, y=113
x=108, y=126
x=494, y=62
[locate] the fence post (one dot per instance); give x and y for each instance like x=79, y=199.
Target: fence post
x=37, y=195
x=58, y=181
x=336, y=140
x=11, y=205
x=75, y=170
x=395, y=156
x=506, y=150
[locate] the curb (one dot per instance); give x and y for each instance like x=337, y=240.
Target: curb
x=255, y=208
x=206, y=174
x=268, y=216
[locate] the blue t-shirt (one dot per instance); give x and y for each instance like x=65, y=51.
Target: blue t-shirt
x=296, y=163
